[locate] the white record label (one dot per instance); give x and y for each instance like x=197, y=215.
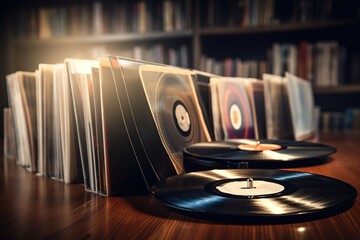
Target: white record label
x=235, y=117
x=182, y=117
x=259, y=187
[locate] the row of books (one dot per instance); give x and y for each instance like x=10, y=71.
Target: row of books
x=233, y=67
x=97, y=121
x=335, y=120
x=159, y=53
x=323, y=63
x=265, y=12
x=177, y=55
x=101, y=17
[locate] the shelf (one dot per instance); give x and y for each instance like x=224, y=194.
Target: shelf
x=105, y=38
x=285, y=27
x=355, y=88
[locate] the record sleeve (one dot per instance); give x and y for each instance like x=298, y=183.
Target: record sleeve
x=277, y=109
x=151, y=157
x=255, y=194
x=172, y=99
x=247, y=153
x=255, y=90
x=205, y=96
x=22, y=100
x=120, y=173
x=302, y=106
x=79, y=72
x=232, y=113
x=9, y=135
x=161, y=114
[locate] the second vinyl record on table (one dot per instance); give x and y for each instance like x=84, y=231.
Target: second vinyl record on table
x=255, y=194
x=247, y=153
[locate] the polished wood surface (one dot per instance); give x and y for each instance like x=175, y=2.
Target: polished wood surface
x=33, y=207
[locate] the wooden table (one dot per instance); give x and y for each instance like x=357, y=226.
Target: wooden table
x=33, y=207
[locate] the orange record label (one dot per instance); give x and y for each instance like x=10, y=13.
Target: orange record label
x=258, y=147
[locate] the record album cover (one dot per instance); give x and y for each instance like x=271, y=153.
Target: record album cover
x=302, y=106
x=22, y=101
x=119, y=171
x=277, y=110
x=255, y=90
x=232, y=114
x=161, y=113
x=172, y=99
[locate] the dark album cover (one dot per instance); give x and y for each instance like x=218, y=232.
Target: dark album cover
x=277, y=109
x=255, y=90
x=161, y=113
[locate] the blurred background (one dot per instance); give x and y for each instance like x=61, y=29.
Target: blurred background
x=317, y=40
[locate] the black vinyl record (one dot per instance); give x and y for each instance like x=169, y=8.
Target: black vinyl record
x=257, y=193
x=176, y=113
x=247, y=153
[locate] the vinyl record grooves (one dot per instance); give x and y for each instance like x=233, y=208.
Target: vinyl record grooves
x=272, y=193
x=246, y=153
x=176, y=113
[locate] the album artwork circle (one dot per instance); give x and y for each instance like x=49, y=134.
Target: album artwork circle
x=235, y=110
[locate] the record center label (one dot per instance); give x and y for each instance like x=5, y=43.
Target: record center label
x=182, y=117
x=259, y=187
x=235, y=117
x=258, y=147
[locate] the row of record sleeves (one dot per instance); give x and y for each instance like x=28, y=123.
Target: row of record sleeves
x=119, y=125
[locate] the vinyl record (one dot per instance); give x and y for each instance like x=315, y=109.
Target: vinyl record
x=254, y=193
x=236, y=112
x=246, y=153
x=176, y=114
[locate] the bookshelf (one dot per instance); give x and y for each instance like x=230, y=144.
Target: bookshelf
x=156, y=30
x=183, y=33
x=247, y=42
